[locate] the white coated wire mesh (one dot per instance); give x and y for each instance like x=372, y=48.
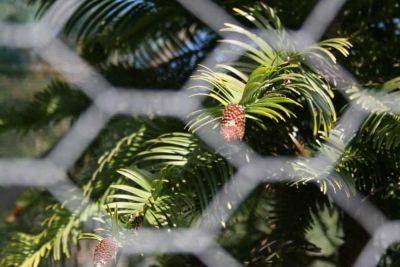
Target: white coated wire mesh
x=42, y=37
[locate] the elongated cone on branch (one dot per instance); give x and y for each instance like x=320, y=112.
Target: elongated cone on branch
x=233, y=122
x=105, y=252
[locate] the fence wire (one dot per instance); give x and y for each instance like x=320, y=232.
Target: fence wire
x=107, y=101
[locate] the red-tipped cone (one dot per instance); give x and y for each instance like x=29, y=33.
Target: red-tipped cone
x=105, y=251
x=233, y=122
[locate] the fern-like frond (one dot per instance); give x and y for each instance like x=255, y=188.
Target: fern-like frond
x=325, y=48
x=57, y=102
x=144, y=196
x=275, y=82
x=330, y=153
x=60, y=231
x=382, y=126
x=43, y=5
x=194, y=171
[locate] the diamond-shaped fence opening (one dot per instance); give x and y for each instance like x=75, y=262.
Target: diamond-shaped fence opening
x=107, y=101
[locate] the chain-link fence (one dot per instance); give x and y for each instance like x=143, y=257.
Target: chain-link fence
x=108, y=101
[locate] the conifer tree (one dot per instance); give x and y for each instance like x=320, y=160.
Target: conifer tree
x=155, y=172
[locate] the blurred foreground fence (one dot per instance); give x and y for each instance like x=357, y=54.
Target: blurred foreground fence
x=50, y=172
